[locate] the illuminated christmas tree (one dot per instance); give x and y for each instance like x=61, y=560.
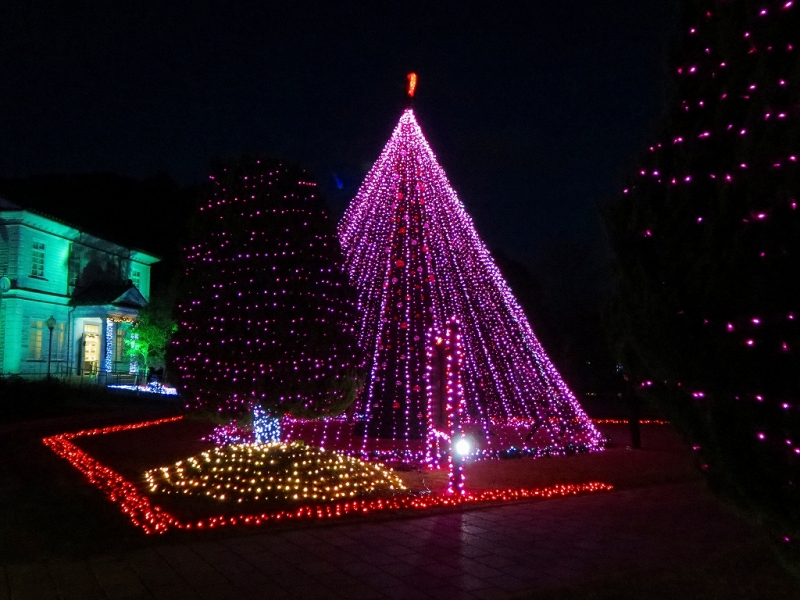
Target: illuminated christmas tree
x=707, y=244
x=414, y=256
x=268, y=315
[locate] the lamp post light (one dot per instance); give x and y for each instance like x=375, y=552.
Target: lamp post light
x=458, y=454
x=51, y=324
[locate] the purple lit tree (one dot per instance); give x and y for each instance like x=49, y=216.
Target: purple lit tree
x=707, y=243
x=415, y=258
x=268, y=315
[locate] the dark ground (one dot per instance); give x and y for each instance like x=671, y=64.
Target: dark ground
x=50, y=516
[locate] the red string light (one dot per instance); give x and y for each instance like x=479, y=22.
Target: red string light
x=154, y=519
x=625, y=422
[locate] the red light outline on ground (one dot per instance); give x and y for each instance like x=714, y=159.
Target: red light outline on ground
x=154, y=519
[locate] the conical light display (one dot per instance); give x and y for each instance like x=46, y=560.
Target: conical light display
x=416, y=260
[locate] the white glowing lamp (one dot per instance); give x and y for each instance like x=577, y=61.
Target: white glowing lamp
x=462, y=447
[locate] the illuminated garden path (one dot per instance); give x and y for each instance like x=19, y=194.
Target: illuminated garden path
x=575, y=543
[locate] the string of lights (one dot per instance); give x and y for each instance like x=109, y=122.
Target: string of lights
x=625, y=422
x=416, y=260
x=139, y=509
x=738, y=103
x=445, y=440
x=273, y=471
x=705, y=235
x=268, y=314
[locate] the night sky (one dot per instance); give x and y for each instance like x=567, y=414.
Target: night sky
x=534, y=109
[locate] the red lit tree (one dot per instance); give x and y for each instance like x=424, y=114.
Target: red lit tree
x=417, y=262
x=268, y=314
x=707, y=243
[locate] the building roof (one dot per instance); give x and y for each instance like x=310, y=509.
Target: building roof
x=122, y=294
x=56, y=226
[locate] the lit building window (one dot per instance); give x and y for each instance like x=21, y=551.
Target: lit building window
x=73, y=267
x=37, y=260
x=91, y=348
x=136, y=278
x=119, y=344
x=59, y=342
x=35, y=340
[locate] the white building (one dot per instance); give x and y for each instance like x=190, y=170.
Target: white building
x=91, y=287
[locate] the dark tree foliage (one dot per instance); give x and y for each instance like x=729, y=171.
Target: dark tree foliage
x=562, y=294
x=267, y=314
x=707, y=249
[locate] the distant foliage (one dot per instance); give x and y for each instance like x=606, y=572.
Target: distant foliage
x=148, y=338
x=707, y=244
x=267, y=315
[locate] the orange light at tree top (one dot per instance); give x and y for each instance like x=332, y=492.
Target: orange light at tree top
x=412, y=84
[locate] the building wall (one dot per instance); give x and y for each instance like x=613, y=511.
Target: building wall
x=19, y=313
x=5, y=250
x=2, y=337
x=9, y=245
x=5, y=258
x=55, y=266
x=144, y=281
x=35, y=298
x=12, y=342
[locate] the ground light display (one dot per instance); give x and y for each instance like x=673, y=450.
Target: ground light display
x=240, y=472
x=143, y=512
x=416, y=260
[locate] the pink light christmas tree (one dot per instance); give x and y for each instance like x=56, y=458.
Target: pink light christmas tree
x=413, y=254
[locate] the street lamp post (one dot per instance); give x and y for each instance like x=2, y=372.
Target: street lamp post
x=51, y=324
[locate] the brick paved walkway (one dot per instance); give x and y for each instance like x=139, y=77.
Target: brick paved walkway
x=487, y=553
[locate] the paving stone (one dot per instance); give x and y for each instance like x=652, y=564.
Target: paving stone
x=125, y=592
x=380, y=558
x=74, y=579
x=361, y=592
x=485, y=553
x=159, y=578
x=495, y=560
x=171, y=593
x=223, y=592
x=361, y=569
x=261, y=559
x=117, y=578
x=318, y=568
x=31, y=581
x=399, y=569
x=248, y=545
x=342, y=580
x=194, y=570
x=404, y=592
x=469, y=582
x=382, y=580
x=474, y=551
x=487, y=594
x=317, y=591
x=439, y=569
x=508, y=583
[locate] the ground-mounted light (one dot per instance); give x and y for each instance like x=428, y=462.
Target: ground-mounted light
x=273, y=472
x=142, y=512
x=462, y=447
